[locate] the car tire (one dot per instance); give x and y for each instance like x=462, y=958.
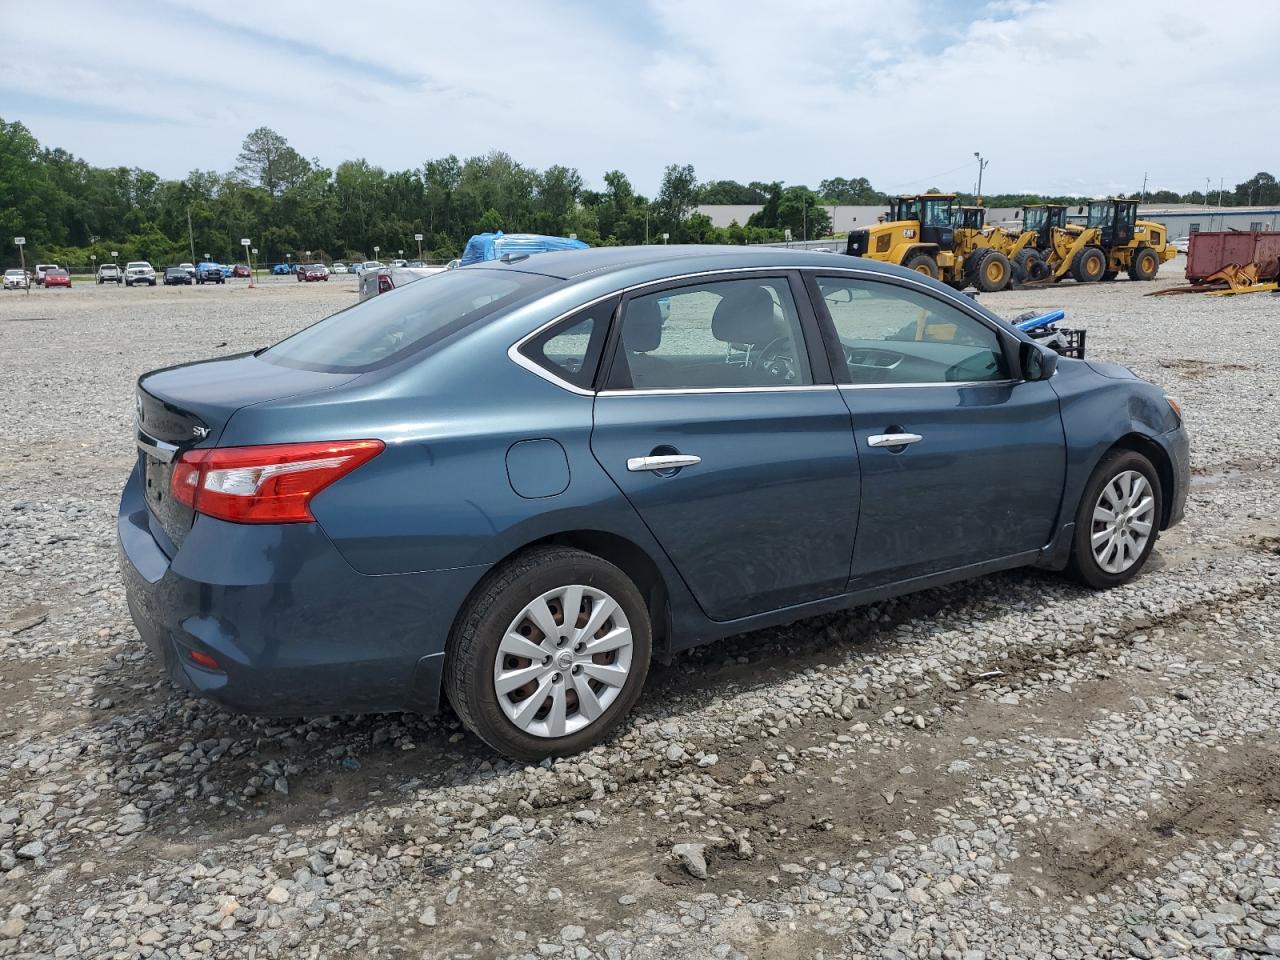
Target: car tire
x=500, y=607
x=1116, y=559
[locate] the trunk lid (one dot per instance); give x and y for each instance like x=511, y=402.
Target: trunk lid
x=181, y=407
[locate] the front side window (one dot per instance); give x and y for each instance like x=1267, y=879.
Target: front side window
x=728, y=334
x=895, y=335
x=392, y=325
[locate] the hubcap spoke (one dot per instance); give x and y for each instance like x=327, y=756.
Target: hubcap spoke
x=613, y=640
x=588, y=702
x=515, y=679
x=600, y=612
x=612, y=676
x=519, y=646
x=525, y=709
x=559, y=711
x=540, y=614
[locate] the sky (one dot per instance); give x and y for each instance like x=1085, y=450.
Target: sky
x=1061, y=96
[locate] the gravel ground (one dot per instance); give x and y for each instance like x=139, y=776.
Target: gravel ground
x=1012, y=767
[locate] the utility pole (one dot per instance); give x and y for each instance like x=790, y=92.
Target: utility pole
x=1220, y=203
x=1143, y=199
x=982, y=165
x=191, y=237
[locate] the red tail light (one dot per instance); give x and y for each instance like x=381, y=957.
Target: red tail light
x=273, y=483
x=384, y=283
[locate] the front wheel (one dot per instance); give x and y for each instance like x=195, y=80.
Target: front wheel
x=923, y=263
x=549, y=654
x=1117, y=521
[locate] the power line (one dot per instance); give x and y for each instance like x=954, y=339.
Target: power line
x=933, y=176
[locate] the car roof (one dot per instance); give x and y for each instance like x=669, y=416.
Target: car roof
x=690, y=258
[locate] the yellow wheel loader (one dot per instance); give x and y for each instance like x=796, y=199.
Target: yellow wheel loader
x=1112, y=239
x=920, y=235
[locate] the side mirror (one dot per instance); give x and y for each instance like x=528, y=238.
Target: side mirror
x=1037, y=362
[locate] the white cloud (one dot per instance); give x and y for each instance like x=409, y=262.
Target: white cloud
x=1061, y=95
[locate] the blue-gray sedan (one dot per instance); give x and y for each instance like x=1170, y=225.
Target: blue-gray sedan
x=516, y=482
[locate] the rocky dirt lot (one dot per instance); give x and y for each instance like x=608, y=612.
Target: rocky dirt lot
x=1013, y=767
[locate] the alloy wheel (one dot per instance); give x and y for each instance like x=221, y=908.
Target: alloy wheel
x=563, y=661
x=1122, y=521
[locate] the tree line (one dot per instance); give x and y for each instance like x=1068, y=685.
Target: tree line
x=291, y=207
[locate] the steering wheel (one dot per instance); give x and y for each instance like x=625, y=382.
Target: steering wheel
x=778, y=365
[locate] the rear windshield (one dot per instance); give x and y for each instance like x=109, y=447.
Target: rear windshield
x=390, y=326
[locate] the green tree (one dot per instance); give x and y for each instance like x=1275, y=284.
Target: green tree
x=845, y=191
x=266, y=160
x=676, y=199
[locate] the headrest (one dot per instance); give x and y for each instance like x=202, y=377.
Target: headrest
x=642, y=328
x=745, y=315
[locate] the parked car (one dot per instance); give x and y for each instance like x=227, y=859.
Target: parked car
x=374, y=282
x=16, y=279
x=476, y=486
x=315, y=271
x=241, y=270
x=1181, y=244
x=139, y=271
x=228, y=271
x=176, y=276
x=417, y=264
x=281, y=270
x=338, y=267
x=190, y=268
x=209, y=273
x=56, y=277
x=369, y=265
x=40, y=271
x=110, y=273
x=399, y=263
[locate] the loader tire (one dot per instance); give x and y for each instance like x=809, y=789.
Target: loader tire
x=1144, y=264
x=972, y=264
x=923, y=263
x=1029, y=266
x=1109, y=275
x=1089, y=265
x=993, y=273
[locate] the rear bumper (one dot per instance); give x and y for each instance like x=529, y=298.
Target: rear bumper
x=295, y=629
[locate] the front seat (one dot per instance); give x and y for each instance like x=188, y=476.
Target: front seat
x=747, y=318
x=642, y=332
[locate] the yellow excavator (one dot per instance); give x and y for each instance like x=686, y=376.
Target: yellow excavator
x=1111, y=239
x=921, y=234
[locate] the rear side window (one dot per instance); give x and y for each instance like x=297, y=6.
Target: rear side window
x=571, y=349
x=393, y=325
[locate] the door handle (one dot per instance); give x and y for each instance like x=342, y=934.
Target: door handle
x=671, y=462
x=893, y=439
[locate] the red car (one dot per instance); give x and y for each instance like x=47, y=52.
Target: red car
x=317, y=271
x=56, y=278
x=240, y=270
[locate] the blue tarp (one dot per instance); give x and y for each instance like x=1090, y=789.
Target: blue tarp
x=491, y=246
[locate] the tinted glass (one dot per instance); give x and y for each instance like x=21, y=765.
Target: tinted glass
x=895, y=335
x=737, y=333
x=385, y=328
x=571, y=349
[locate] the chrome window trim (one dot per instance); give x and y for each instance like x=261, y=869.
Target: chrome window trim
x=680, y=391
x=964, y=304
x=941, y=383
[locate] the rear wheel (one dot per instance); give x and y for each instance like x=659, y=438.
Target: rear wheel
x=993, y=273
x=923, y=263
x=1144, y=265
x=1029, y=266
x=1117, y=521
x=1089, y=265
x=549, y=654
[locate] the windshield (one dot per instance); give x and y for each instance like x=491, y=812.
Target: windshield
x=13, y=273
x=385, y=328
x=937, y=213
x=1101, y=214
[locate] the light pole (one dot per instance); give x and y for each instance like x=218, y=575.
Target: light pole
x=93, y=264
x=244, y=242
x=22, y=256
x=982, y=165
x=418, y=237
x=401, y=254
x=254, y=261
